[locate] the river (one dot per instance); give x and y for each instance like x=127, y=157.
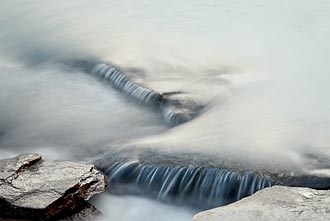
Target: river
x=259, y=68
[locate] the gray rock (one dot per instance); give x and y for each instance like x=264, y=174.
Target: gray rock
x=31, y=188
x=275, y=203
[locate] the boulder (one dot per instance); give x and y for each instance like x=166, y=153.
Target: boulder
x=31, y=188
x=275, y=203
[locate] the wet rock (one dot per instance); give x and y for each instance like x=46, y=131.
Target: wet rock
x=31, y=188
x=275, y=203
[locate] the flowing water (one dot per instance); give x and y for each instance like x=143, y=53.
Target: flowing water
x=250, y=79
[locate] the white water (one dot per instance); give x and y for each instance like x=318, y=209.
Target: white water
x=262, y=65
x=127, y=208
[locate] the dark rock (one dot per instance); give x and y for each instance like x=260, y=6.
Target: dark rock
x=88, y=213
x=31, y=188
x=275, y=203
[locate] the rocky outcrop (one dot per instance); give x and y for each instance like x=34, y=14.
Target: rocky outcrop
x=31, y=188
x=275, y=203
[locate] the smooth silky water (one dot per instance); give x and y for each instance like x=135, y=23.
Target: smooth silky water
x=259, y=69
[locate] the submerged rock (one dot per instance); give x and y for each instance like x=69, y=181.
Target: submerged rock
x=31, y=188
x=275, y=203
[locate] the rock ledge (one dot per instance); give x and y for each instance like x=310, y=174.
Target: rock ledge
x=31, y=188
x=275, y=203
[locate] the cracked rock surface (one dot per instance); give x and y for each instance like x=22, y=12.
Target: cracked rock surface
x=31, y=188
x=275, y=203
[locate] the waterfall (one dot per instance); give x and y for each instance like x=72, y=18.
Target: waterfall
x=174, y=112
x=199, y=187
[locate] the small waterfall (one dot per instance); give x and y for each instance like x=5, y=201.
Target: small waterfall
x=122, y=83
x=199, y=187
x=174, y=112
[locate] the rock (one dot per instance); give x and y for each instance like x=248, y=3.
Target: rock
x=275, y=203
x=31, y=188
